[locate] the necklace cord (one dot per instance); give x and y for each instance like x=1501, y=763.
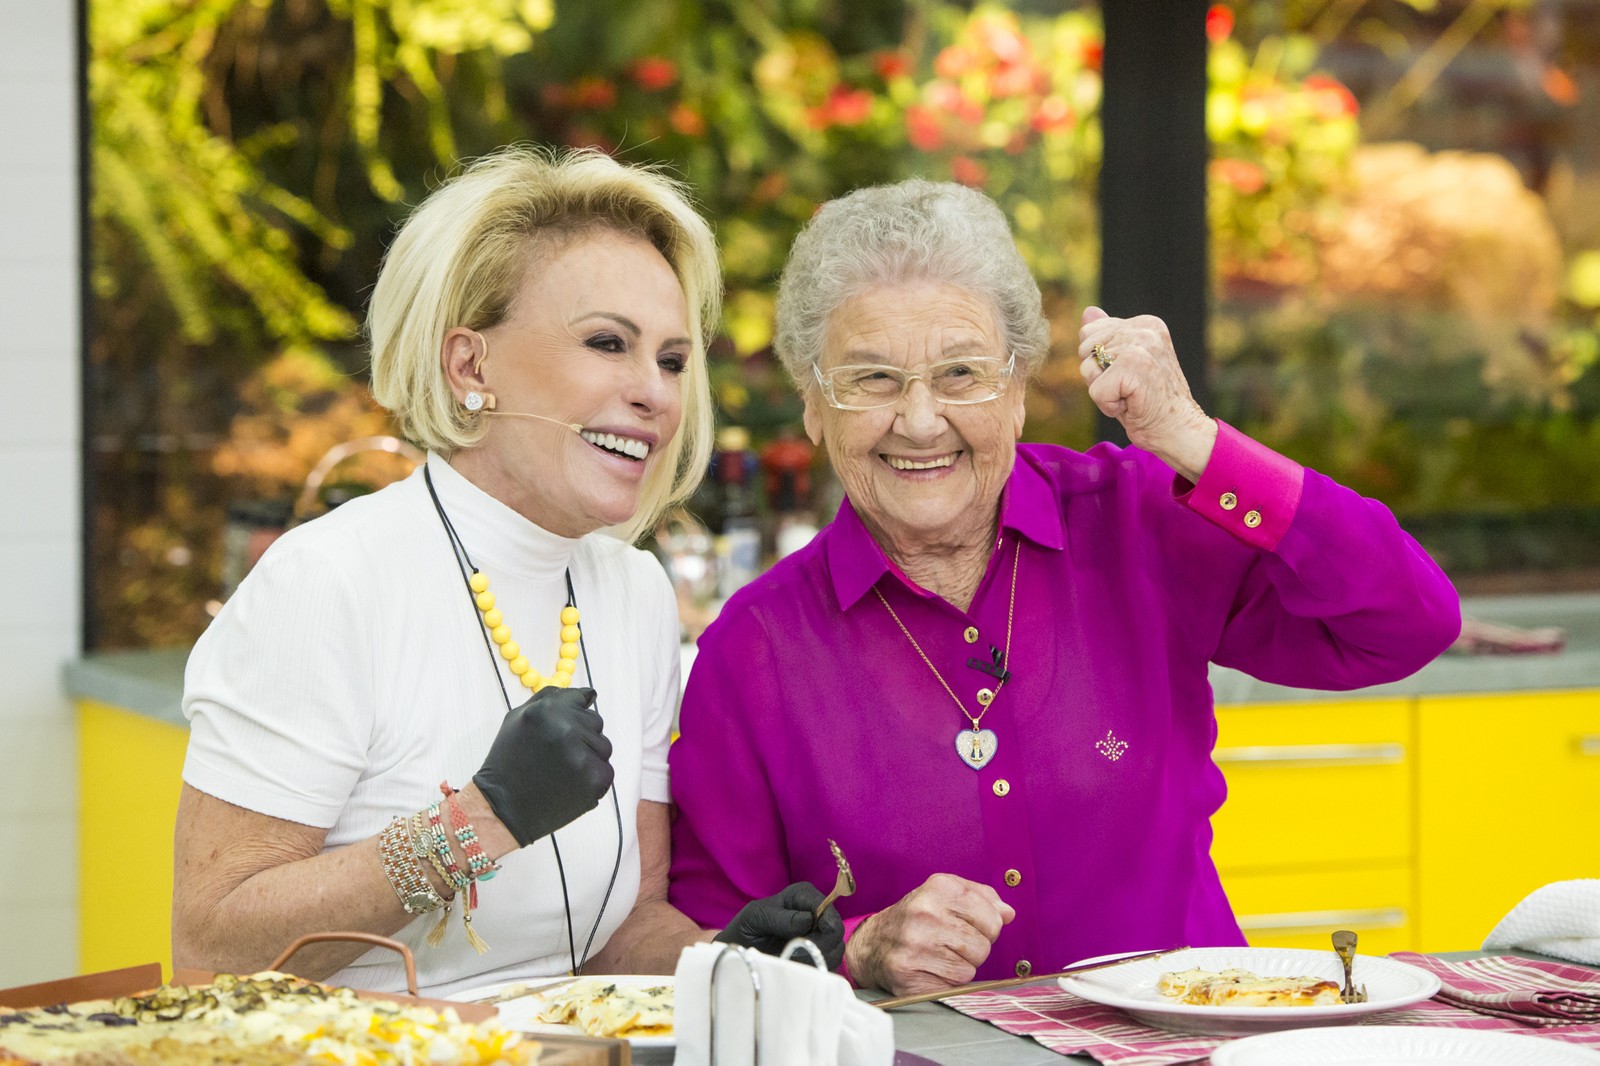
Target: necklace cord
x=464, y=563
x=1011, y=613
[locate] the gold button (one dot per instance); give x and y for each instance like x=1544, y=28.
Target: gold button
x=1252, y=519
x=1024, y=967
x=1013, y=878
x=1001, y=787
x=971, y=635
x=1229, y=501
x=985, y=696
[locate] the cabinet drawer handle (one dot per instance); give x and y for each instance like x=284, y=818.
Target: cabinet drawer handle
x=1312, y=754
x=1589, y=745
x=1380, y=918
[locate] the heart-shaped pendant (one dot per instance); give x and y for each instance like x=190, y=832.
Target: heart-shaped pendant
x=976, y=746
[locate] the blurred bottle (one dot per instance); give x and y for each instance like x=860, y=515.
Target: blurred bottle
x=792, y=522
x=739, y=529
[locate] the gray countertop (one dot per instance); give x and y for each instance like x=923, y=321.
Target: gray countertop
x=151, y=682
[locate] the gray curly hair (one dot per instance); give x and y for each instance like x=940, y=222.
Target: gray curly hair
x=912, y=230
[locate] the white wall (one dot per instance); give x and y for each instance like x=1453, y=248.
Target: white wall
x=40, y=517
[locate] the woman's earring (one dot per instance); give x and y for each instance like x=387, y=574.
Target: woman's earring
x=478, y=401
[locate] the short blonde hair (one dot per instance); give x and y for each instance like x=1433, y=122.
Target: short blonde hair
x=462, y=256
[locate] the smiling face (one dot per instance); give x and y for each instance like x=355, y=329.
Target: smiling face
x=922, y=475
x=598, y=336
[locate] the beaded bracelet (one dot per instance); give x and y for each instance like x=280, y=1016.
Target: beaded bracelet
x=417, y=894
x=425, y=844
x=483, y=868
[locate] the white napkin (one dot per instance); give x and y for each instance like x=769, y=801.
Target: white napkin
x=1561, y=919
x=808, y=1017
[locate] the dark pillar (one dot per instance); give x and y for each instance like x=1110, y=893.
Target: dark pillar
x=1153, y=231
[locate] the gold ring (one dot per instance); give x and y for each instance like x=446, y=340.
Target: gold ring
x=1101, y=359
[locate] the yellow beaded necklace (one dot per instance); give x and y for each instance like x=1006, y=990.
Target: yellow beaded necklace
x=511, y=651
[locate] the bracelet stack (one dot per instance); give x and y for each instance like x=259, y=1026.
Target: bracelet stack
x=406, y=843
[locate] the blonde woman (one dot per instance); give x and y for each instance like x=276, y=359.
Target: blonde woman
x=442, y=712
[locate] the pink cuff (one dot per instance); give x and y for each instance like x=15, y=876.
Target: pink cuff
x=850, y=927
x=1247, y=489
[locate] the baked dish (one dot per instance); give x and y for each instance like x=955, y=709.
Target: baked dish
x=1241, y=988
x=267, y=1019
x=602, y=1007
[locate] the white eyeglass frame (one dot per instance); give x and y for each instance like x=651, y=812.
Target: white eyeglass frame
x=925, y=376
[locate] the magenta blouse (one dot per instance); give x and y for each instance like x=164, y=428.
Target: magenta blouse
x=809, y=716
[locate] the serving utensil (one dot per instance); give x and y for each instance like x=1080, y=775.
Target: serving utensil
x=1016, y=982
x=523, y=991
x=1344, y=942
x=843, y=885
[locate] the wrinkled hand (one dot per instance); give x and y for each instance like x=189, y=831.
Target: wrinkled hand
x=768, y=924
x=549, y=765
x=1144, y=389
x=936, y=937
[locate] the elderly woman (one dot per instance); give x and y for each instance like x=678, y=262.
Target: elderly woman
x=987, y=678
x=538, y=326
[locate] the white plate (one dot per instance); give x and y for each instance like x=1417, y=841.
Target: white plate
x=1132, y=987
x=1400, y=1045
x=522, y=1013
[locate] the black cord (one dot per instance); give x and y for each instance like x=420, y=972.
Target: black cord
x=464, y=563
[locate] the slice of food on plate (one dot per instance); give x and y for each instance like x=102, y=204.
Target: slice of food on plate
x=603, y=1007
x=1241, y=988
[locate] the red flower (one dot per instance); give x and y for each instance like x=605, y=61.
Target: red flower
x=923, y=128
x=1333, y=99
x=968, y=171
x=848, y=107
x=1219, y=23
x=687, y=121
x=1014, y=79
x=891, y=65
x=654, y=73
x=594, y=93
x=1053, y=115
x=1094, y=53
x=1246, y=177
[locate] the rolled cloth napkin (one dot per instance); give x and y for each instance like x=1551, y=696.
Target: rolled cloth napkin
x=808, y=1017
x=1529, y=991
x=1561, y=919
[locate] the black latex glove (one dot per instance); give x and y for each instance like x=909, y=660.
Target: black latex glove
x=549, y=765
x=768, y=924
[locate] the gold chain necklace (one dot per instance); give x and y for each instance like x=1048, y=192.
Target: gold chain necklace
x=977, y=745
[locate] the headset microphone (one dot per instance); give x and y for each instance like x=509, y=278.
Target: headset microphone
x=575, y=427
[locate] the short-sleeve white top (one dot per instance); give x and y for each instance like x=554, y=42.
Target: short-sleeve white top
x=349, y=675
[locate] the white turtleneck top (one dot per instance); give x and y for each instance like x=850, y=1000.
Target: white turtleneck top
x=348, y=676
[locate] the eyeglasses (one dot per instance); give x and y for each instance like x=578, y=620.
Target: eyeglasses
x=951, y=381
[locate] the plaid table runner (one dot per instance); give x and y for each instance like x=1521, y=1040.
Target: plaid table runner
x=1067, y=1024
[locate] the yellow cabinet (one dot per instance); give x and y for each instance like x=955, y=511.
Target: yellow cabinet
x=1290, y=767
x=1317, y=833
x=1300, y=909
x=1509, y=799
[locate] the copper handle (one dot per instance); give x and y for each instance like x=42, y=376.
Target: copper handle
x=362, y=938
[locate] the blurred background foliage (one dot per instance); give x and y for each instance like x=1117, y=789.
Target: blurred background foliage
x=1406, y=247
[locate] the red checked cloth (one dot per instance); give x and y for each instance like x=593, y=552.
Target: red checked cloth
x=1525, y=990
x=1071, y=1026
